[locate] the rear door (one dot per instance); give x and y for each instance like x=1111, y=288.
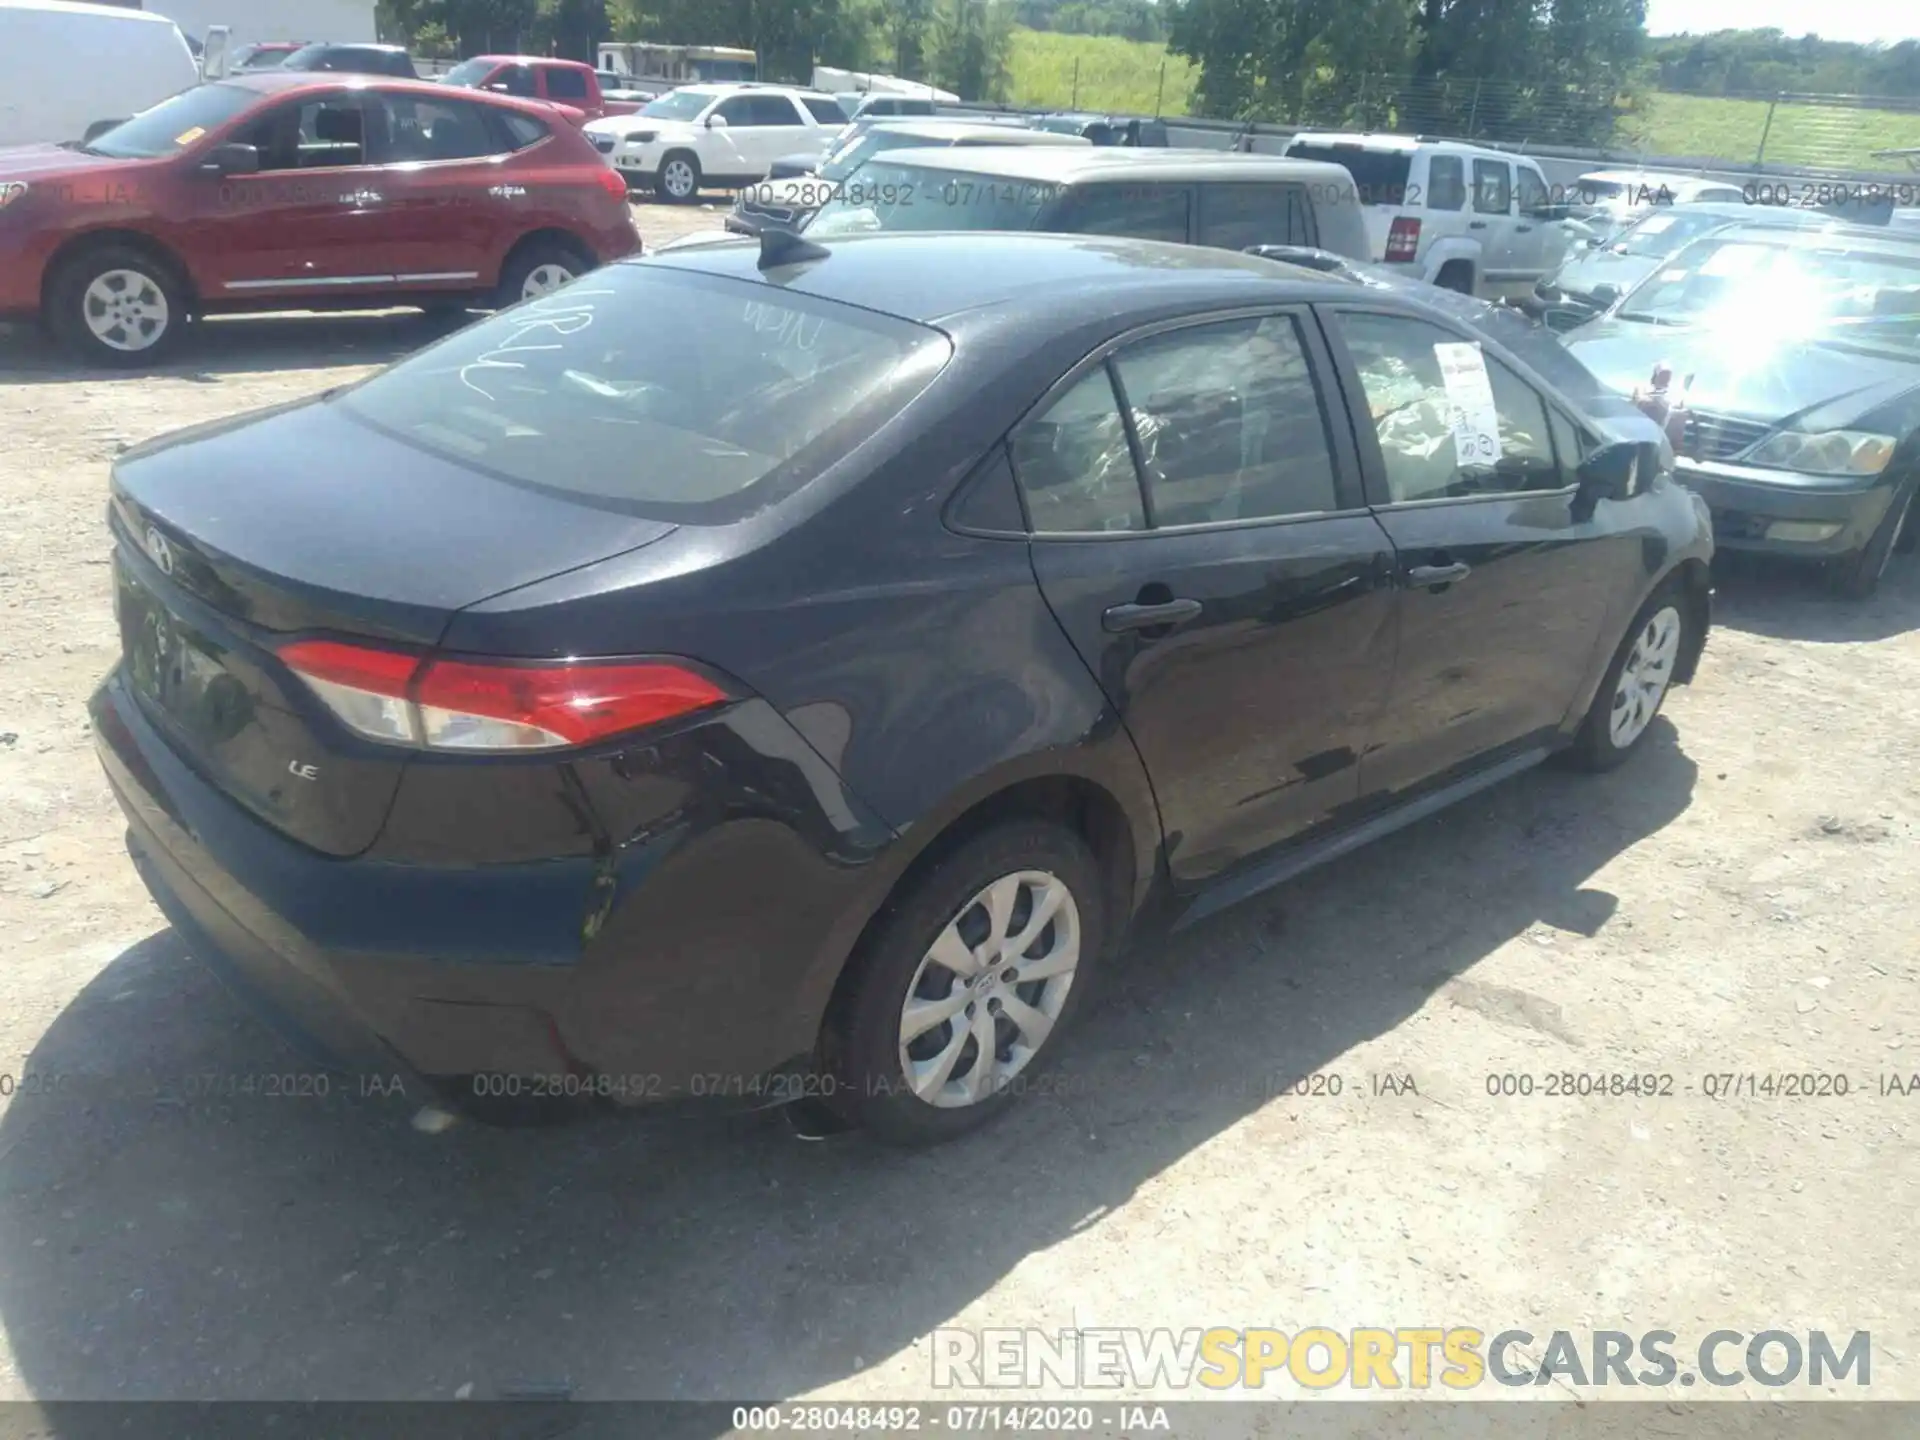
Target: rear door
x=1538, y=242
x=1505, y=580
x=446, y=203
x=1199, y=535
x=1501, y=273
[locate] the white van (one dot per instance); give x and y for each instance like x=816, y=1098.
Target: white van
x=65, y=66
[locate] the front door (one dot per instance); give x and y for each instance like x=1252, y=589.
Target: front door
x=312, y=220
x=1492, y=225
x=1199, y=535
x=1505, y=578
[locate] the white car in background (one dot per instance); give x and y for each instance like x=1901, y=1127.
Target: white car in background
x=1480, y=221
x=722, y=136
x=1607, y=201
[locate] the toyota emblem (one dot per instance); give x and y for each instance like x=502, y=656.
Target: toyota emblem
x=160, y=550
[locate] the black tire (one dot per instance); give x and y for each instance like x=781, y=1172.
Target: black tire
x=1857, y=576
x=531, y=256
x=861, y=1051
x=1594, y=748
x=664, y=186
x=157, y=289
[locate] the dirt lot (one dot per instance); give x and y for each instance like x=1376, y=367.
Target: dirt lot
x=1741, y=898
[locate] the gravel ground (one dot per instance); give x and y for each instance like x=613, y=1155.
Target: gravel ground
x=1738, y=899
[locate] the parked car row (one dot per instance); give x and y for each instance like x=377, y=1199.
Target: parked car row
x=847, y=640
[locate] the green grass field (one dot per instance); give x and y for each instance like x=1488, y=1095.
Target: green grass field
x=1114, y=74
x=1125, y=75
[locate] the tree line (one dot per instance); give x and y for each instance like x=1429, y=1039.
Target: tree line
x=1766, y=62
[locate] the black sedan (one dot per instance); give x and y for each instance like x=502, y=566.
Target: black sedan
x=973, y=597
x=1797, y=353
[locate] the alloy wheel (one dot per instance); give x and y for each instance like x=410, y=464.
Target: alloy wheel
x=544, y=279
x=678, y=178
x=986, y=995
x=1645, y=677
x=126, y=311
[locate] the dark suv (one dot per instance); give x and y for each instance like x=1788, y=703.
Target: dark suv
x=354, y=60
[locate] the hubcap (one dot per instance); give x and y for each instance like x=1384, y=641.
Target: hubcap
x=988, y=991
x=1645, y=677
x=679, y=177
x=125, y=310
x=544, y=280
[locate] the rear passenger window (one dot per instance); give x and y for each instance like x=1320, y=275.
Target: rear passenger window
x=1492, y=187
x=1432, y=444
x=1139, y=212
x=827, y=112
x=1446, y=183
x=1236, y=216
x=1229, y=423
x=771, y=110
x=421, y=129
x=1074, y=465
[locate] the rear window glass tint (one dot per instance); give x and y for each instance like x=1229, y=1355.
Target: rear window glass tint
x=661, y=391
x=1379, y=175
x=1242, y=214
x=1446, y=183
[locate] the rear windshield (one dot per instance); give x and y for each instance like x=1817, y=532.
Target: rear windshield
x=172, y=125
x=891, y=196
x=1379, y=175
x=656, y=390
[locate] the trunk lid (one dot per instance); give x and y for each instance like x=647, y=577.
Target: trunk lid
x=231, y=537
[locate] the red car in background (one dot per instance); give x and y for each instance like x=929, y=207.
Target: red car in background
x=566, y=83
x=278, y=191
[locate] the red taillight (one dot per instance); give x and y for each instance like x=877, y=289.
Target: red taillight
x=613, y=182
x=1403, y=238
x=494, y=705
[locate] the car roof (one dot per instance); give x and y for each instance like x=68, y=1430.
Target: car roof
x=534, y=60
x=1067, y=165
x=722, y=89
x=1373, y=140
x=930, y=277
x=937, y=128
x=275, y=82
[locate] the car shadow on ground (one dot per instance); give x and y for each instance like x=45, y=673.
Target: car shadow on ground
x=1763, y=595
x=239, y=345
x=165, y=1234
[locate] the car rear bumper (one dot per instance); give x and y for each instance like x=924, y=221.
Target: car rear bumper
x=376, y=965
x=1753, y=511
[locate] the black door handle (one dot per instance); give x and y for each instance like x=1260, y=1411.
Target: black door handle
x=1476, y=225
x=1421, y=575
x=1119, y=618
x=1523, y=229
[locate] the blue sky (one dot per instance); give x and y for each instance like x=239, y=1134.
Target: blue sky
x=1834, y=20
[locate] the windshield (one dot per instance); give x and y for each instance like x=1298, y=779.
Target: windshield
x=1820, y=287
x=847, y=158
x=1656, y=236
x=468, y=73
x=259, y=57
x=677, y=105
x=172, y=125
x=893, y=197
x=656, y=389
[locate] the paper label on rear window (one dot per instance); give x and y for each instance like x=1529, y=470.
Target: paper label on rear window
x=1476, y=426
x=187, y=137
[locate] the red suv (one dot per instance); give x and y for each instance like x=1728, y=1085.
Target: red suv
x=287, y=191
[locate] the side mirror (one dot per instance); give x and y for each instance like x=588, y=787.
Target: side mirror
x=231, y=159
x=716, y=122
x=99, y=128
x=1611, y=473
